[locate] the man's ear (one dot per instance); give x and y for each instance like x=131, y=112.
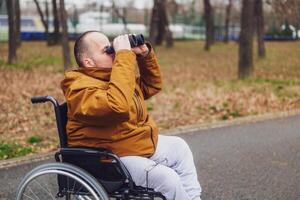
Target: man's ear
x=88, y=62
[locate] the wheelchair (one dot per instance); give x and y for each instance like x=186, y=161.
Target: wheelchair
x=80, y=173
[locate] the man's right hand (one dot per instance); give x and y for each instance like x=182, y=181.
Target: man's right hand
x=121, y=42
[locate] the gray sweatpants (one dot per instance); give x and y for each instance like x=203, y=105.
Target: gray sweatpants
x=171, y=170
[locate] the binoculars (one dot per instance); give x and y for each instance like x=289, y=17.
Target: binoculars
x=134, y=40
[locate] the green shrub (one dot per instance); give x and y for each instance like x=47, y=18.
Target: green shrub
x=11, y=150
x=34, y=139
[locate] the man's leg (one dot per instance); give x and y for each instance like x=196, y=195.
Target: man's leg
x=161, y=178
x=175, y=153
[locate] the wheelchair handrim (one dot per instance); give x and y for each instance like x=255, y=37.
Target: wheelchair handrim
x=40, y=173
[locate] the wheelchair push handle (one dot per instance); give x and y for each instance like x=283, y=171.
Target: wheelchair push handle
x=39, y=99
x=43, y=99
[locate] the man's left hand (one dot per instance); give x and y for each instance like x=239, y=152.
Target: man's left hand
x=141, y=50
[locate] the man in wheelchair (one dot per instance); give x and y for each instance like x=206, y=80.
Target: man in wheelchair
x=106, y=109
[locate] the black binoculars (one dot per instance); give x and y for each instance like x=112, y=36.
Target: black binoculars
x=134, y=40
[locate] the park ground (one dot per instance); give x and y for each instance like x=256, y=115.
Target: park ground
x=199, y=87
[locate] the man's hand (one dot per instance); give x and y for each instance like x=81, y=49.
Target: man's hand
x=141, y=50
x=121, y=42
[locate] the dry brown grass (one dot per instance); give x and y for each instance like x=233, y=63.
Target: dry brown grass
x=198, y=87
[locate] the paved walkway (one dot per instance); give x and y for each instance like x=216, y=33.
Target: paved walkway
x=250, y=161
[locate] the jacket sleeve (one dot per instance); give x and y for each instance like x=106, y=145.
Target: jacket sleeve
x=150, y=80
x=95, y=106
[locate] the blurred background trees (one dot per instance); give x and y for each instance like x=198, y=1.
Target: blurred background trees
x=161, y=21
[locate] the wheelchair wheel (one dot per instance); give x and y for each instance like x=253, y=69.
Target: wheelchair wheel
x=60, y=181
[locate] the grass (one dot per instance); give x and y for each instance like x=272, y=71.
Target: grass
x=34, y=139
x=199, y=87
x=11, y=150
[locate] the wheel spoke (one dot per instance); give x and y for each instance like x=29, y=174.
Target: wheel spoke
x=28, y=196
x=45, y=189
x=33, y=193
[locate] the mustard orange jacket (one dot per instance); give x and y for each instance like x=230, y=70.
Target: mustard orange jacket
x=106, y=107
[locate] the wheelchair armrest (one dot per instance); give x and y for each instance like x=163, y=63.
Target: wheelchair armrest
x=87, y=151
x=95, y=153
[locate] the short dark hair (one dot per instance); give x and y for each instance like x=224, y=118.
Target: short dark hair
x=80, y=47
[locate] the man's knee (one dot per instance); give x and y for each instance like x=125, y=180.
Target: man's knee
x=182, y=146
x=166, y=179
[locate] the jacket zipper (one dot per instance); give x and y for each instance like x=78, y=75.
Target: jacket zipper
x=139, y=107
x=140, y=114
x=136, y=106
x=152, y=137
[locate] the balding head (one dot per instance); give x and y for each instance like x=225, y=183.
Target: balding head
x=87, y=45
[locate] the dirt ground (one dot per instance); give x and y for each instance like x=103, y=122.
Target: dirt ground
x=199, y=87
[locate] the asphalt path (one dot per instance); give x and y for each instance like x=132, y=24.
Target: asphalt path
x=250, y=161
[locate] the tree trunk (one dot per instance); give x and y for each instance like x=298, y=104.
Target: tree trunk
x=163, y=24
x=65, y=38
x=159, y=27
x=168, y=32
x=260, y=30
x=18, y=23
x=123, y=16
x=44, y=21
x=153, y=23
x=169, y=39
x=246, y=40
x=227, y=21
x=209, y=24
x=47, y=22
x=55, y=35
x=12, y=32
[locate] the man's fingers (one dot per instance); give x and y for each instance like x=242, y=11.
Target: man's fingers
x=121, y=42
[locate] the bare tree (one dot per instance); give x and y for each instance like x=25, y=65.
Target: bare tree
x=12, y=32
x=65, y=38
x=18, y=23
x=209, y=24
x=47, y=21
x=153, y=23
x=260, y=28
x=227, y=20
x=159, y=26
x=163, y=26
x=122, y=16
x=43, y=18
x=55, y=36
x=173, y=8
x=246, y=40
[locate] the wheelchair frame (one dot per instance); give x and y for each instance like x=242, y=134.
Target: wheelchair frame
x=87, y=166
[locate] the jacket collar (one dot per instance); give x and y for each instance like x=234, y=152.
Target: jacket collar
x=98, y=73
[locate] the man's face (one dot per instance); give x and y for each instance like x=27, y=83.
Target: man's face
x=97, y=43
